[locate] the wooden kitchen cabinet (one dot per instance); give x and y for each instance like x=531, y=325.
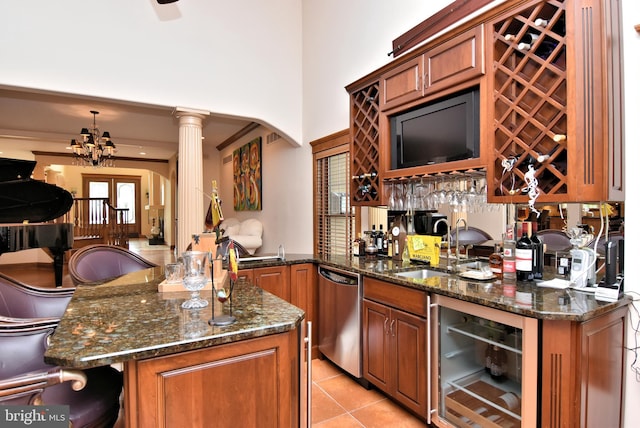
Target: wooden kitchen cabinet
x=364, y=150
x=561, y=97
x=274, y=279
x=250, y=383
x=583, y=371
x=395, y=342
x=447, y=64
x=304, y=294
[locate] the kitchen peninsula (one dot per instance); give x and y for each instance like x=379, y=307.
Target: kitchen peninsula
x=177, y=366
x=179, y=370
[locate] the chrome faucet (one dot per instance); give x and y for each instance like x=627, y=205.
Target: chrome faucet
x=447, y=238
x=458, y=237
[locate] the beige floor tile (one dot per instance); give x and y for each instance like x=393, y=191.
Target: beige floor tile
x=323, y=407
x=385, y=414
x=342, y=421
x=348, y=393
x=323, y=369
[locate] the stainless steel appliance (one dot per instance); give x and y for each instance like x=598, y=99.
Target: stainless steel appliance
x=340, y=306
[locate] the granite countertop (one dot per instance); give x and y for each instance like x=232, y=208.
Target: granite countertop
x=127, y=318
x=546, y=303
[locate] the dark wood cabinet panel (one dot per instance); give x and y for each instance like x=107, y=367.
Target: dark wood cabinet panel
x=409, y=360
x=249, y=383
x=376, y=319
x=304, y=294
x=403, y=84
x=274, y=279
x=395, y=344
x=582, y=371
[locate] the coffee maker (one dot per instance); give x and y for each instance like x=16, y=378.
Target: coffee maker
x=424, y=223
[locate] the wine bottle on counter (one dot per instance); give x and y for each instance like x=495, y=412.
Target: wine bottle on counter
x=356, y=246
x=538, y=252
x=524, y=256
x=509, y=255
x=379, y=240
x=495, y=261
x=374, y=236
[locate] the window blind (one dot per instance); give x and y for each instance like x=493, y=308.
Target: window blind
x=334, y=217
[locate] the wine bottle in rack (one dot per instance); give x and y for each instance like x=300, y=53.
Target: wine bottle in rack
x=527, y=41
x=541, y=22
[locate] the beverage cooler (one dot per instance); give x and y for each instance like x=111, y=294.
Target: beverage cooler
x=484, y=366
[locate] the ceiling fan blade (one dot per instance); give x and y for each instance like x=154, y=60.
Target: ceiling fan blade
x=166, y=1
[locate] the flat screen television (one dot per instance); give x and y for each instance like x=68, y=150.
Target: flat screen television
x=445, y=130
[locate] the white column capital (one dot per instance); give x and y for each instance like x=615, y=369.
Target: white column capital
x=190, y=116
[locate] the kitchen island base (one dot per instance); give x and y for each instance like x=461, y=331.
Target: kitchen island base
x=255, y=382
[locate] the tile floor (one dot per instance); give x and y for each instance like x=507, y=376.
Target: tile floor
x=339, y=401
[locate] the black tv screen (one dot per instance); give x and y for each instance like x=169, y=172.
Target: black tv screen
x=442, y=131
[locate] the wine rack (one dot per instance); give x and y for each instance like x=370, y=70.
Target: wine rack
x=530, y=102
x=365, y=147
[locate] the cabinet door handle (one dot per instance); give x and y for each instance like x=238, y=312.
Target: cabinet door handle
x=391, y=328
x=384, y=327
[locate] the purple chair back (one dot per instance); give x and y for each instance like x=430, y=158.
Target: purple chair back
x=19, y=300
x=101, y=262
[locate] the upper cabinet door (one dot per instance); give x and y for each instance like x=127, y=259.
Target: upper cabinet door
x=403, y=84
x=455, y=61
x=447, y=64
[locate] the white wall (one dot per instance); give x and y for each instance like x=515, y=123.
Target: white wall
x=344, y=41
x=229, y=57
x=287, y=202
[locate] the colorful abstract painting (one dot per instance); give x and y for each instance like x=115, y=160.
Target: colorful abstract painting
x=247, y=176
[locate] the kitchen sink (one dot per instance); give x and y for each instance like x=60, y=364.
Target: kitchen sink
x=421, y=273
x=472, y=265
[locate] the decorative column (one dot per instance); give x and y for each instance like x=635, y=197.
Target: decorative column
x=189, y=196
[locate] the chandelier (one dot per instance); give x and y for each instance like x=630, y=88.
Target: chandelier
x=93, y=149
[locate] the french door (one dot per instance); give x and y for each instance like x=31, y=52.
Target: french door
x=123, y=192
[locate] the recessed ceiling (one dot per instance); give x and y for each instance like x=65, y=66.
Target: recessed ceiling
x=44, y=121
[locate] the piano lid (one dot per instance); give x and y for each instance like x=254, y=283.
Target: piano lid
x=16, y=169
x=24, y=199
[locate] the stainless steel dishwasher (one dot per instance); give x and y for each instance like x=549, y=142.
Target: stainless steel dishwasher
x=340, y=314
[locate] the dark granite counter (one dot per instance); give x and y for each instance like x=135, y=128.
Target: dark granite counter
x=546, y=303
x=127, y=318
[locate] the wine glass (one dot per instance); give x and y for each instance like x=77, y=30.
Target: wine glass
x=195, y=277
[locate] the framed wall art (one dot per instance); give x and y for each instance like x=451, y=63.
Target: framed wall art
x=247, y=176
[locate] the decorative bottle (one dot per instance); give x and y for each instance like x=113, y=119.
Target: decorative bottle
x=524, y=256
x=356, y=246
x=509, y=256
x=495, y=261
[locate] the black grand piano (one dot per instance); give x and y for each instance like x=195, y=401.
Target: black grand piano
x=26, y=208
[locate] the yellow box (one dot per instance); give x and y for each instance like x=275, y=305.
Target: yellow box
x=424, y=247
